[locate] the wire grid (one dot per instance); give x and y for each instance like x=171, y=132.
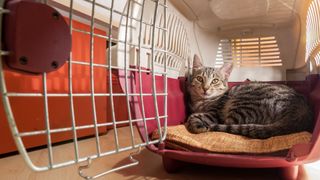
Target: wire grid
x=6, y=95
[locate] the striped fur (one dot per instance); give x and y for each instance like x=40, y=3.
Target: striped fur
x=255, y=110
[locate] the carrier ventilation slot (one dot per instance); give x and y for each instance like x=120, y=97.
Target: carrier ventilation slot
x=313, y=28
x=178, y=49
x=317, y=59
x=249, y=52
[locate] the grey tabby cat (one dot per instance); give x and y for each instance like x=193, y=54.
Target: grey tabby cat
x=255, y=110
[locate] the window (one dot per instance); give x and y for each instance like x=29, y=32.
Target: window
x=252, y=52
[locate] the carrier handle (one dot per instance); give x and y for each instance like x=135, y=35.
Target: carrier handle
x=134, y=162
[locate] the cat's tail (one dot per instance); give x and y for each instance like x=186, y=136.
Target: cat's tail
x=256, y=131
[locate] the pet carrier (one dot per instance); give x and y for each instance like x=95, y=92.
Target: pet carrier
x=79, y=68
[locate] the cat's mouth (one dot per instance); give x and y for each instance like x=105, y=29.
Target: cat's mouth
x=207, y=95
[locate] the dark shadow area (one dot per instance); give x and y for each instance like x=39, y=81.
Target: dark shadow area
x=150, y=167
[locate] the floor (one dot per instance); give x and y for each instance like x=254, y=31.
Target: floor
x=149, y=168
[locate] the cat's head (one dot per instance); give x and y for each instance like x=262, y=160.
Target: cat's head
x=208, y=82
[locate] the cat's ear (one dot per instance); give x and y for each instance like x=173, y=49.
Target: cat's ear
x=196, y=62
x=226, y=69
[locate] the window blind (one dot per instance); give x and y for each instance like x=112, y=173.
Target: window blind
x=260, y=51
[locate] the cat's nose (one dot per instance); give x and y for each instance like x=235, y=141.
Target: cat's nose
x=205, y=89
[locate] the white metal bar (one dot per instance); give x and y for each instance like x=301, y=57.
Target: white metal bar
x=165, y=75
x=140, y=76
x=159, y=4
x=47, y=121
x=154, y=90
x=114, y=67
x=144, y=46
x=68, y=163
x=74, y=128
x=171, y=52
x=110, y=38
x=4, y=11
x=74, y=132
x=92, y=78
x=11, y=120
x=59, y=130
x=4, y=53
x=7, y=107
x=134, y=162
x=80, y=94
x=114, y=123
x=127, y=16
x=126, y=74
x=107, y=153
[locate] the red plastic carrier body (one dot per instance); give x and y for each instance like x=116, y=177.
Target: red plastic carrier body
x=297, y=155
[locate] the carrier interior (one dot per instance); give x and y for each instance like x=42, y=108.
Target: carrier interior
x=267, y=40
x=270, y=40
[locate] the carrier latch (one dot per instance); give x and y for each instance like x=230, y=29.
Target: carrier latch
x=36, y=36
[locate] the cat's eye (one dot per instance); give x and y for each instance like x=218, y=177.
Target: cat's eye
x=215, y=81
x=199, y=78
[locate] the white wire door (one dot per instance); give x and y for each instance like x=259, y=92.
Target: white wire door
x=81, y=89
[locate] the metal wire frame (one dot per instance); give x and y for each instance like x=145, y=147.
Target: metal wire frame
x=126, y=73
x=140, y=79
x=73, y=121
x=95, y=125
x=154, y=90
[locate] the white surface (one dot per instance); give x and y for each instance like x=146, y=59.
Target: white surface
x=257, y=74
x=232, y=9
x=235, y=12
x=312, y=170
x=100, y=12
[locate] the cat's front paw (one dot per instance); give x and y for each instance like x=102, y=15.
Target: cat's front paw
x=195, y=125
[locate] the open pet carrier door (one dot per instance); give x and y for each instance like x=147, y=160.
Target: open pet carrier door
x=84, y=68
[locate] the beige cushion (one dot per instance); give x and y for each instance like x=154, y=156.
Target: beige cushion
x=178, y=137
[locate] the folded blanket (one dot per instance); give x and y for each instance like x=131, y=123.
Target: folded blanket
x=178, y=137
